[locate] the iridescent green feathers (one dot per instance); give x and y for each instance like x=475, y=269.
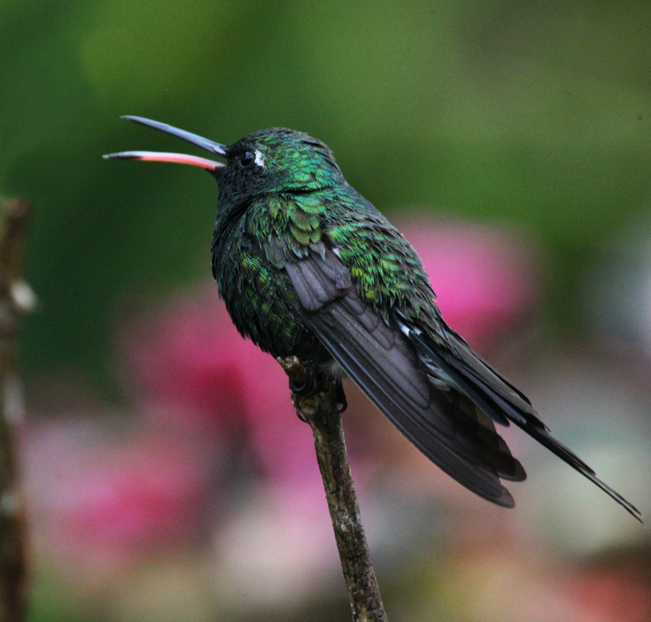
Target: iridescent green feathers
x=298, y=160
x=293, y=224
x=297, y=202
x=284, y=161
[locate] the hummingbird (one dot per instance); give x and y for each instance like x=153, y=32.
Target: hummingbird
x=307, y=266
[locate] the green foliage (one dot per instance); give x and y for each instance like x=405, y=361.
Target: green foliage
x=530, y=113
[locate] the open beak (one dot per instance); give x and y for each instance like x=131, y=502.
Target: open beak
x=178, y=158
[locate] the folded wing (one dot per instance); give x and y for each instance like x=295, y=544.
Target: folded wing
x=445, y=426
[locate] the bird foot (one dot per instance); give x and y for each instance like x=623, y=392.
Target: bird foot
x=306, y=389
x=309, y=387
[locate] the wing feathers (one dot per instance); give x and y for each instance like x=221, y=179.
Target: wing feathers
x=406, y=372
x=387, y=370
x=318, y=283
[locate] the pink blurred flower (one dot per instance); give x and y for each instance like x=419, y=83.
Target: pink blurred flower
x=100, y=500
x=190, y=366
x=486, y=279
x=188, y=354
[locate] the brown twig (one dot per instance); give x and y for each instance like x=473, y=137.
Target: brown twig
x=16, y=299
x=321, y=410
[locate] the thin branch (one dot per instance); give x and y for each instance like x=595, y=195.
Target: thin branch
x=16, y=299
x=321, y=410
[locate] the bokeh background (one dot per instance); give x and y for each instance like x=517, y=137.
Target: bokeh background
x=167, y=475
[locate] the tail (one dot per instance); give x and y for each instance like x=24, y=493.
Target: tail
x=567, y=455
x=499, y=399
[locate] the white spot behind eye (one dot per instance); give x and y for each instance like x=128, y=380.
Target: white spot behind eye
x=259, y=158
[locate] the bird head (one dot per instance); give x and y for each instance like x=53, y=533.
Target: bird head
x=267, y=161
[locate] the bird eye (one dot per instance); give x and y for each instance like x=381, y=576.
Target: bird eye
x=246, y=159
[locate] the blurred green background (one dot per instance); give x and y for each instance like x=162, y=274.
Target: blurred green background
x=531, y=116
x=531, y=113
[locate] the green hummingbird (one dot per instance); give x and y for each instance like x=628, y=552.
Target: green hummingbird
x=307, y=266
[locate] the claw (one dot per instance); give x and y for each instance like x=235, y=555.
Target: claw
x=341, y=398
x=306, y=389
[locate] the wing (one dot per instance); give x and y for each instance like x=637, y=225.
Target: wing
x=438, y=393
x=445, y=426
